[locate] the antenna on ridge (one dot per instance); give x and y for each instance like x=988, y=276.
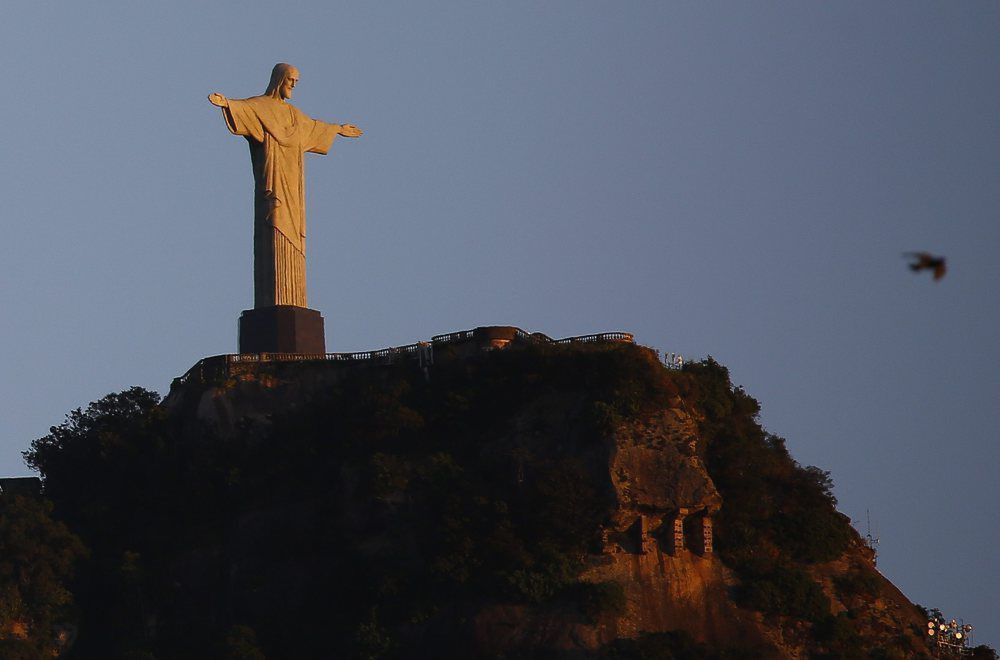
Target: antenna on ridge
x=871, y=541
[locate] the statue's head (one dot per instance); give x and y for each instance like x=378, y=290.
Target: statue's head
x=283, y=79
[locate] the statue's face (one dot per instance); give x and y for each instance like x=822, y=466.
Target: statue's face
x=288, y=84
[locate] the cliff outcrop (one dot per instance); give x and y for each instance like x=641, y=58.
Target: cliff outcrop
x=536, y=501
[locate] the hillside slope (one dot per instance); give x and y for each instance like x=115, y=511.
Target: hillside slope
x=539, y=501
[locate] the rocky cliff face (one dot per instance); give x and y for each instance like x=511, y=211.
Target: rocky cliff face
x=502, y=480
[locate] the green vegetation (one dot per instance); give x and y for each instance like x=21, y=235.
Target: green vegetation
x=857, y=583
x=383, y=516
x=777, y=516
x=37, y=559
x=410, y=504
x=771, y=501
x=676, y=645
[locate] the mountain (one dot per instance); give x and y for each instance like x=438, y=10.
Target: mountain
x=490, y=494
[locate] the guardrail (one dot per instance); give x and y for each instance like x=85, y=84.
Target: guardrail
x=601, y=337
x=221, y=365
x=462, y=335
x=382, y=353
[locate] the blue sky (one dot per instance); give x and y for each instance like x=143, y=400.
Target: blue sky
x=720, y=178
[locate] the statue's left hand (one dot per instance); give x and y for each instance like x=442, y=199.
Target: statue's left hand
x=350, y=130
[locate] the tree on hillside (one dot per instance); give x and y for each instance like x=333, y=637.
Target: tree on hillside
x=96, y=458
x=37, y=559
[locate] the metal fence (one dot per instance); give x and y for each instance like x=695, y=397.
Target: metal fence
x=423, y=351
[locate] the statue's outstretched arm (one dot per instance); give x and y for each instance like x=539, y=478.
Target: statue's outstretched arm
x=219, y=100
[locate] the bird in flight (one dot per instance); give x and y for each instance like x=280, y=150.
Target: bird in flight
x=927, y=261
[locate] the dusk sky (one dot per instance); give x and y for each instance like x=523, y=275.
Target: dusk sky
x=734, y=179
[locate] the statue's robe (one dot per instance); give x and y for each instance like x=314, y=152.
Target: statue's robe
x=279, y=135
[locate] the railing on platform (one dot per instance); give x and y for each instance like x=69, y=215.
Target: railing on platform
x=533, y=337
x=601, y=337
x=423, y=351
x=382, y=353
x=541, y=338
x=462, y=335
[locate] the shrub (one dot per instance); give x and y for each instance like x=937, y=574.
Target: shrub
x=676, y=644
x=838, y=636
x=858, y=583
x=596, y=599
x=38, y=558
x=788, y=591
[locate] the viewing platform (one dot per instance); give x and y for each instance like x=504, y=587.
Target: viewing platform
x=462, y=343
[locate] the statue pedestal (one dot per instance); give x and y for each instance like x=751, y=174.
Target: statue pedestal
x=282, y=329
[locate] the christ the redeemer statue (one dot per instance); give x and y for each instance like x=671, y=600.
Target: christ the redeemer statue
x=279, y=135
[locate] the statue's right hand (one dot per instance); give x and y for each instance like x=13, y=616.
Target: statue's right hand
x=350, y=130
x=218, y=100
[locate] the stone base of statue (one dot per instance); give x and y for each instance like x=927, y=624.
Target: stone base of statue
x=282, y=329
